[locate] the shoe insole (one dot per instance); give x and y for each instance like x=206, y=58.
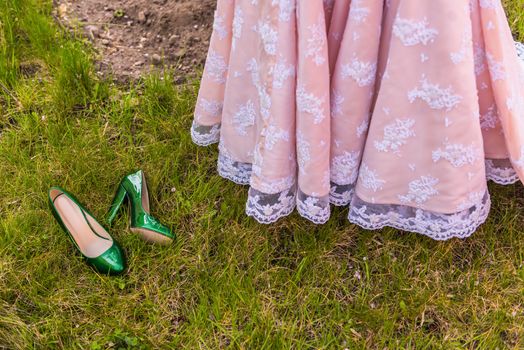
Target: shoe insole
x=83, y=228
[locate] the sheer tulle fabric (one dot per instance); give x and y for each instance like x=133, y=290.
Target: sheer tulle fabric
x=400, y=109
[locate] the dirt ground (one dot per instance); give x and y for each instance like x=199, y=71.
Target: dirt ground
x=135, y=36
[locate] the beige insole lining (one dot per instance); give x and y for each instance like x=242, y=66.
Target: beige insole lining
x=89, y=243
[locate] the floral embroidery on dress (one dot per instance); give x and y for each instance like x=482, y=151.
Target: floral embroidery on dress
x=363, y=128
x=420, y=190
x=370, y=179
x=244, y=117
x=364, y=73
x=219, y=27
x=465, y=48
x=496, y=69
x=337, y=99
x=213, y=108
x=269, y=37
x=396, y=135
x=287, y=8
x=358, y=13
x=278, y=124
x=489, y=119
x=303, y=152
x=317, y=42
x=344, y=168
x=273, y=135
x=412, y=32
x=435, y=96
x=479, y=59
x=264, y=98
x=216, y=67
x=281, y=73
x=309, y=103
x=458, y=155
x=238, y=22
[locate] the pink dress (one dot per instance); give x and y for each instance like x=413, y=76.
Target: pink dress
x=400, y=109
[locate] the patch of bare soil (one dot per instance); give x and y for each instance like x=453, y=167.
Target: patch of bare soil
x=134, y=36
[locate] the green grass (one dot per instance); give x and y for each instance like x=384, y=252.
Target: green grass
x=227, y=282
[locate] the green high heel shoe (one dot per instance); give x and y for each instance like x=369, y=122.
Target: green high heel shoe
x=134, y=188
x=95, y=244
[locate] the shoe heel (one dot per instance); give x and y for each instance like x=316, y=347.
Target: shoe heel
x=120, y=196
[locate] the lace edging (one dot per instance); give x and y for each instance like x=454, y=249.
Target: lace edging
x=501, y=175
x=315, y=209
x=205, y=135
x=341, y=195
x=436, y=226
x=269, y=208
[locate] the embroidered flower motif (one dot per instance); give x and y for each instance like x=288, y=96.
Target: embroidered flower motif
x=435, y=96
x=358, y=13
x=264, y=98
x=362, y=128
x=269, y=37
x=420, y=190
x=336, y=103
x=216, y=67
x=364, y=73
x=211, y=107
x=479, y=58
x=317, y=42
x=396, y=135
x=370, y=179
x=465, y=48
x=273, y=135
x=489, y=119
x=238, y=22
x=344, y=168
x=309, y=103
x=282, y=72
x=244, y=117
x=412, y=33
x=496, y=69
x=458, y=155
x=303, y=152
x=219, y=28
x=287, y=8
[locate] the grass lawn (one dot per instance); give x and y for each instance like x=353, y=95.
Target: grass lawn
x=227, y=282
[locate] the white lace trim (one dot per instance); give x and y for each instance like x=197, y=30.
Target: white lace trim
x=340, y=195
x=204, y=135
x=501, y=172
x=315, y=209
x=269, y=208
x=434, y=225
x=228, y=168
